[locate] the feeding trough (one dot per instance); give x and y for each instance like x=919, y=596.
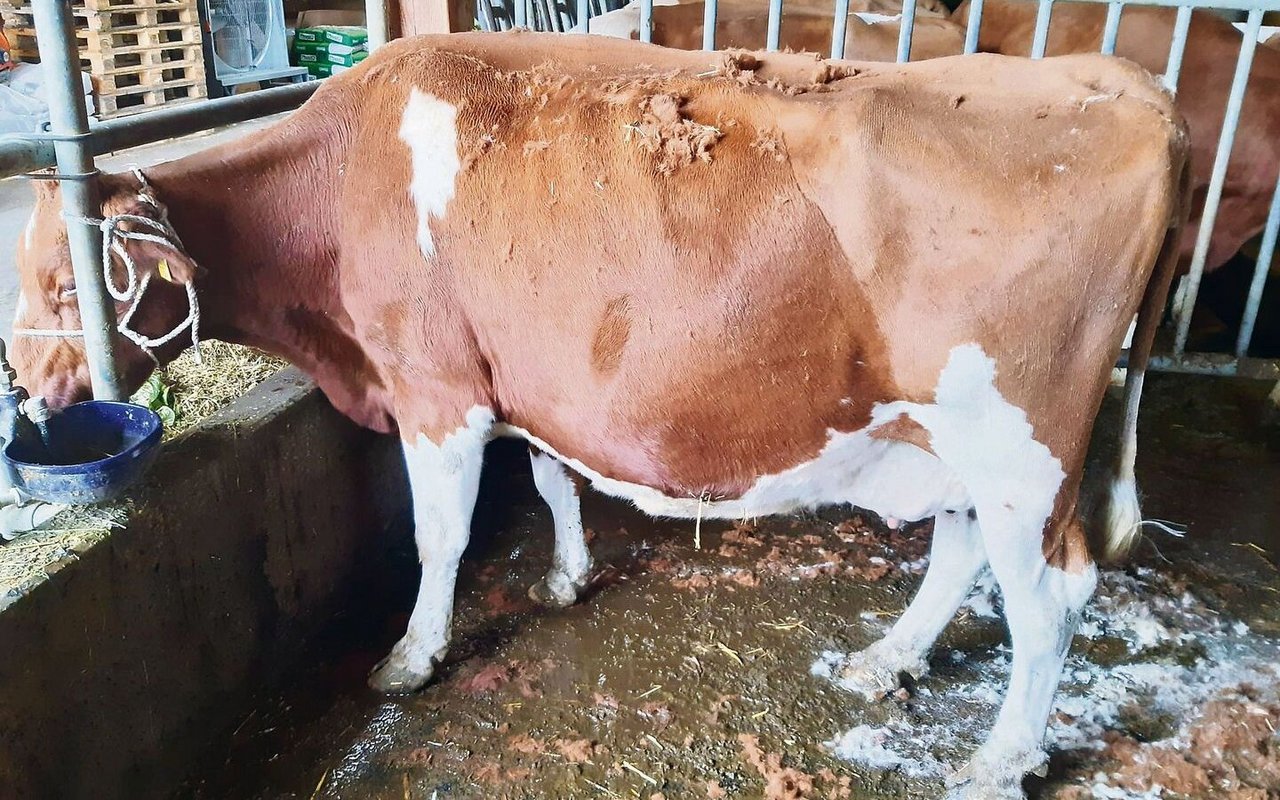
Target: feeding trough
x=93, y=451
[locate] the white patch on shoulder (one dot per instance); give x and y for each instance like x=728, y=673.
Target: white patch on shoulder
x=429, y=127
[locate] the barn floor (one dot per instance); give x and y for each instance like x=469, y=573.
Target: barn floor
x=702, y=673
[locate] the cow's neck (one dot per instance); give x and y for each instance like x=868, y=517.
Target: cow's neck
x=262, y=217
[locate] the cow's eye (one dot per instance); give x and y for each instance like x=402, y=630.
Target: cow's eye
x=67, y=290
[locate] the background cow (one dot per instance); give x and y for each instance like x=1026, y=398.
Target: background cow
x=897, y=286
x=1213, y=44
x=871, y=33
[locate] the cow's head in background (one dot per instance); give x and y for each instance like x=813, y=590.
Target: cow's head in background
x=54, y=365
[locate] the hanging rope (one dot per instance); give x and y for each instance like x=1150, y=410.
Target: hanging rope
x=114, y=240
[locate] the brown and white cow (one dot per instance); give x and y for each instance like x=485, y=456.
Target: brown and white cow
x=727, y=286
x=1213, y=44
x=868, y=36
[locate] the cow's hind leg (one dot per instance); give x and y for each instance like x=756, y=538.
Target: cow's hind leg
x=443, y=481
x=571, y=564
x=1042, y=604
x=956, y=557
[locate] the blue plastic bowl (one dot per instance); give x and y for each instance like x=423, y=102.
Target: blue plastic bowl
x=99, y=448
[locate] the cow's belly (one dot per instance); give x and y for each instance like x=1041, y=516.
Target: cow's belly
x=889, y=477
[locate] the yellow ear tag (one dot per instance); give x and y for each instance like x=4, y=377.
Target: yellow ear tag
x=163, y=269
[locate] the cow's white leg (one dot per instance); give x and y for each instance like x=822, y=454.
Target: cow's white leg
x=956, y=557
x=443, y=481
x=571, y=564
x=1042, y=605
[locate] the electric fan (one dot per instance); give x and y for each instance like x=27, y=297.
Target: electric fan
x=247, y=42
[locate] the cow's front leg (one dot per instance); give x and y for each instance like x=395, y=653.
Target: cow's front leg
x=443, y=480
x=571, y=564
x=956, y=557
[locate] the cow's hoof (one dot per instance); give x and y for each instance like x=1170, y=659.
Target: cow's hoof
x=991, y=776
x=877, y=671
x=558, y=590
x=394, y=674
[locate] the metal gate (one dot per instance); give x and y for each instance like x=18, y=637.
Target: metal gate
x=1171, y=355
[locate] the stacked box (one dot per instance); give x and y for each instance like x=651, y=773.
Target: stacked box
x=329, y=49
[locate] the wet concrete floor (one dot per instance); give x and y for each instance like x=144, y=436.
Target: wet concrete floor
x=692, y=673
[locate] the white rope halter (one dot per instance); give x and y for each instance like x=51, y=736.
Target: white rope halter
x=114, y=239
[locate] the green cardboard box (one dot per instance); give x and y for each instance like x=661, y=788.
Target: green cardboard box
x=348, y=60
x=329, y=47
x=337, y=34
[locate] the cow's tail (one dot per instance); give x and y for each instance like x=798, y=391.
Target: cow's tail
x=1122, y=516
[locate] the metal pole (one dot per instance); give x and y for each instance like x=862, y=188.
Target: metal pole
x=375, y=19
x=1112, y=30
x=1260, y=270
x=1177, y=48
x=974, y=25
x=908, y=23
x=1216, y=180
x=520, y=14
x=584, y=16
x=1041, y=41
x=774, y=34
x=64, y=92
x=839, y=26
x=646, y=20
x=709, y=25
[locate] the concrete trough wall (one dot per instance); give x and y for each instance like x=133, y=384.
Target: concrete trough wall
x=117, y=671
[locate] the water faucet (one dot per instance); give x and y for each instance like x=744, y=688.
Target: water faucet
x=21, y=416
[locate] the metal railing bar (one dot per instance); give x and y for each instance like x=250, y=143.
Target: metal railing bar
x=839, y=27
x=584, y=17
x=1177, y=48
x=908, y=23
x=973, y=26
x=520, y=14
x=64, y=92
x=1112, y=29
x=774, y=35
x=1217, y=179
x=1260, y=271
x=646, y=21
x=375, y=15
x=709, y=24
x=1041, y=41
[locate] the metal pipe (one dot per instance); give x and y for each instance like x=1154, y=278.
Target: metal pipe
x=646, y=20
x=1260, y=271
x=520, y=14
x=64, y=92
x=774, y=34
x=20, y=154
x=1041, y=41
x=908, y=23
x=584, y=16
x=709, y=24
x=375, y=19
x=839, y=27
x=1216, y=180
x=1112, y=30
x=973, y=26
x=1177, y=48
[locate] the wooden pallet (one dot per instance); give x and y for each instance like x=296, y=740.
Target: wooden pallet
x=140, y=54
x=143, y=98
